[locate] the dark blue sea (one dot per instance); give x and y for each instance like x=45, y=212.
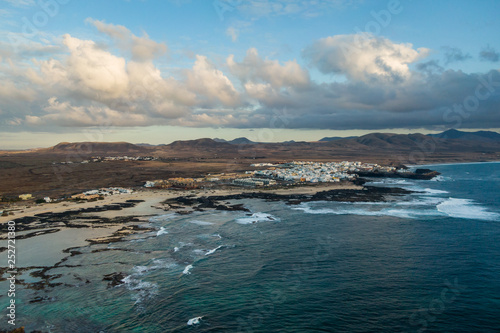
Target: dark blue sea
x=427, y=262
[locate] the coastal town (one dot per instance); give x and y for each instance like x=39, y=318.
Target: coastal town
x=284, y=174
x=100, y=159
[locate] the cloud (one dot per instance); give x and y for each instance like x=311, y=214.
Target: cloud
x=489, y=54
x=267, y=8
x=67, y=115
x=141, y=48
x=90, y=84
x=95, y=70
x=210, y=82
x=429, y=67
x=439, y=100
x=21, y=3
x=362, y=57
x=74, y=82
x=255, y=69
x=453, y=54
x=233, y=33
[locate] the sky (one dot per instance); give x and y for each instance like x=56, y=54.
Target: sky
x=146, y=71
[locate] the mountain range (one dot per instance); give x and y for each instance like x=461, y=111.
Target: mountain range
x=451, y=141
x=46, y=171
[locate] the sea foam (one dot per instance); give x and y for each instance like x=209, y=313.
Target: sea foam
x=194, y=321
x=144, y=290
x=365, y=211
x=187, y=269
x=467, y=209
x=213, y=251
x=162, y=231
x=257, y=217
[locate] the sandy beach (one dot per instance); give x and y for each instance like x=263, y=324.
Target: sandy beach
x=154, y=197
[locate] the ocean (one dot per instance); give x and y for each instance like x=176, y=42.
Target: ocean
x=427, y=262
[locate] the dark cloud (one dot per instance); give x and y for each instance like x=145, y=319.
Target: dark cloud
x=453, y=54
x=429, y=67
x=489, y=54
x=451, y=98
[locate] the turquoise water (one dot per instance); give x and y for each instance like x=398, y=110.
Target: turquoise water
x=427, y=263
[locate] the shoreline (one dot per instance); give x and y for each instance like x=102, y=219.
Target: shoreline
x=456, y=163
x=162, y=195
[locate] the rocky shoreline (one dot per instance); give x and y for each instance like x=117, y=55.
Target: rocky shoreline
x=53, y=222
x=190, y=203
x=421, y=174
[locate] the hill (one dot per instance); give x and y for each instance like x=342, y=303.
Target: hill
x=198, y=143
x=471, y=136
x=335, y=138
x=95, y=148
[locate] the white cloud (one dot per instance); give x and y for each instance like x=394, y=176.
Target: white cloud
x=254, y=68
x=94, y=69
x=141, y=48
x=207, y=80
x=233, y=33
x=65, y=114
x=364, y=57
x=265, y=8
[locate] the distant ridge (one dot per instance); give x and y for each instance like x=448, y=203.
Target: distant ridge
x=453, y=142
x=236, y=141
x=472, y=136
x=335, y=138
x=239, y=141
x=383, y=140
x=89, y=148
x=198, y=143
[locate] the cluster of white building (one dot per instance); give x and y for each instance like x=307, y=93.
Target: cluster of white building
x=109, y=191
x=314, y=172
x=263, y=165
x=119, y=158
x=95, y=194
x=111, y=158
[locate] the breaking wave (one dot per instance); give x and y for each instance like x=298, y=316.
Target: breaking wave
x=467, y=209
x=257, y=217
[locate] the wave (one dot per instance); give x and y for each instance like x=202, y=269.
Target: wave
x=467, y=209
x=257, y=217
x=187, y=269
x=194, y=321
x=213, y=251
x=156, y=264
x=389, y=181
x=431, y=191
x=432, y=201
x=200, y=222
x=424, y=207
x=353, y=210
x=176, y=249
x=162, y=231
x=141, y=269
x=440, y=178
x=145, y=290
